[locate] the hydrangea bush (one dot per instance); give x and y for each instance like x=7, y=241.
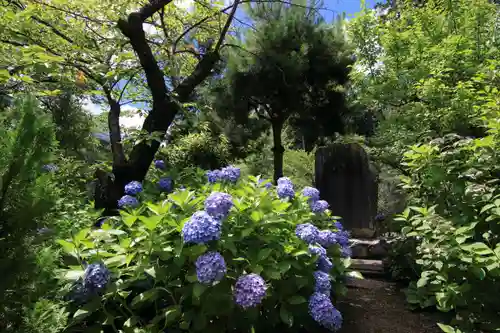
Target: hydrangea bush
x=214, y=253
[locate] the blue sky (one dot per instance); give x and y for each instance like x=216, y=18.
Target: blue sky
x=334, y=7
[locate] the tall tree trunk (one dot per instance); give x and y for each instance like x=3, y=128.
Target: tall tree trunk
x=278, y=149
x=110, y=187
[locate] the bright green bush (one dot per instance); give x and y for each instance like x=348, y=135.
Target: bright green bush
x=454, y=220
x=153, y=281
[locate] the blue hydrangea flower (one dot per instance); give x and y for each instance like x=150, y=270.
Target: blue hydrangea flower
x=165, y=184
x=96, y=277
x=285, y=190
x=342, y=237
x=133, y=188
x=210, y=267
x=231, y=173
x=214, y=176
x=326, y=238
x=324, y=313
x=311, y=192
x=218, y=204
x=50, y=168
x=128, y=201
x=201, y=228
x=380, y=217
x=317, y=250
x=249, y=290
x=307, y=232
x=324, y=264
x=78, y=293
x=338, y=226
x=267, y=185
x=346, y=251
x=323, y=284
x=160, y=164
x=319, y=206
x=285, y=180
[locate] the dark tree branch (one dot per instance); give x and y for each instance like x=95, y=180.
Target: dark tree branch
x=114, y=129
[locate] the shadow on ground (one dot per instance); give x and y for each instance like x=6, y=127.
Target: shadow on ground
x=375, y=306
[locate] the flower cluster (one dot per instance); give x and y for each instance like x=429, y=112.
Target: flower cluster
x=128, y=201
x=285, y=188
x=249, y=290
x=165, y=184
x=201, y=228
x=210, y=267
x=317, y=206
x=133, y=188
x=96, y=277
x=229, y=174
x=321, y=308
x=323, y=312
x=160, y=164
x=267, y=185
x=311, y=192
x=218, y=205
x=307, y=232
x=50, y=168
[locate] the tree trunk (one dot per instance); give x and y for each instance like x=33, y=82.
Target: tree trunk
x=278, y=149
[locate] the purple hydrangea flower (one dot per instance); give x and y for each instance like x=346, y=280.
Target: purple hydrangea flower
x=317, y=250
x=128, y=201
x=380, y=217
x=96, y=277
x=133, y=188
x=218, y=204
x=324, y=264
x=346, y=251
x=160, y=164
x=285, y=190
x=311, y=192
x=307, y=232
x=285, y=180
x=201, y=228
x=214, y=176
x=210, y=267
x=249, y=290
x=231, y=173
x=323, y=284
x=50, y=168
x=319, y=206
x=342, y=237
x=324, y=313
x=326, y=238
x=165, y=184
x=267, y=185
x=338, y=225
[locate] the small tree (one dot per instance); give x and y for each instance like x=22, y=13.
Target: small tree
x=291, y=65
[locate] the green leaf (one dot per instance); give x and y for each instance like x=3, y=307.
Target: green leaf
x=263, y=254
x=147, y=296
x=68, y=247
x=284, y=266
x=151, y=222
x=81, y=313
x=71, y=275
x=198, y=290
x=128, y=219
x=172, y=314
x=480, y=273
x=446, y=328
x=296, y=300
x=286, y=316
x=478, y=248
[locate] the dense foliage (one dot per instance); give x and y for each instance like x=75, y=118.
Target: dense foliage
x=217, y=256
x=431, y=73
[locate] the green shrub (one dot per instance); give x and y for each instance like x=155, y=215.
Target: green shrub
x=454, y=220
x=154, y=283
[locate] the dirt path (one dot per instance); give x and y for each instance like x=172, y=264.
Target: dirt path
x=375, y=306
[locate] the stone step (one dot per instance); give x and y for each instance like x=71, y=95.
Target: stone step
x=368, y=267
x=369, y=248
